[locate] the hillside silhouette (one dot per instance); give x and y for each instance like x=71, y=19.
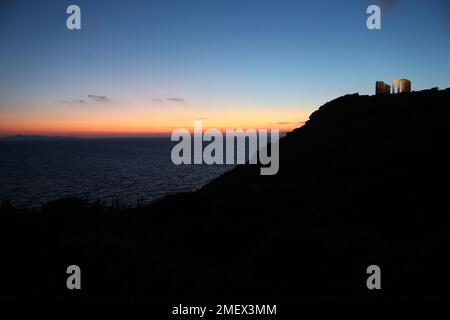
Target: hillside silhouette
x=363, y=182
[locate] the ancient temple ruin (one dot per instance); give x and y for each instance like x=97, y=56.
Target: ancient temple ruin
x=398, y=86
x=382, y=88
x=402, y=85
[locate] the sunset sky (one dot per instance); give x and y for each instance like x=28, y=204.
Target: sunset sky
x=148, y=67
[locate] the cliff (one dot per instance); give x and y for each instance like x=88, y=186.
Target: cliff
x=363, y=182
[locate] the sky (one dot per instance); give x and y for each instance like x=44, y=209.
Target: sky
x=148, y=67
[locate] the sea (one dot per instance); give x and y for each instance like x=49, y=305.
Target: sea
x=124, y=171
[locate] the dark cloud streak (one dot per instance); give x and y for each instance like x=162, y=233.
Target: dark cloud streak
x=98, y=98
x=387, y=4
x=289, y=122
x=179, y=100
x=172, y=99
x=79, y=101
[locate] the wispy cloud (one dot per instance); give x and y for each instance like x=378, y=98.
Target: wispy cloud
x=171, y=99
x=281, y=123
x=387, y=4
x=179, y=100
x=91, y=97
x=79, y=101
x=98, y=98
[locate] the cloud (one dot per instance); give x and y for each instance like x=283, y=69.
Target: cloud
x=179, y=100
x=289, y=122
x=91, y=97
x=98, y=98
x=172, y=99
x=79, y=101
x=387, y=4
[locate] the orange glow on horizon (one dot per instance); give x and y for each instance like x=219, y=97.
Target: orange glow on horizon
x=142, y=122
x=127, y=133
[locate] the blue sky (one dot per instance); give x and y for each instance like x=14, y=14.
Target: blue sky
x=253, y=55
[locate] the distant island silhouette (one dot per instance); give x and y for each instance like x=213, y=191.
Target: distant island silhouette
x=362, y=182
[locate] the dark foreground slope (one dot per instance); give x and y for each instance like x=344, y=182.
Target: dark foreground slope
x=364, y=182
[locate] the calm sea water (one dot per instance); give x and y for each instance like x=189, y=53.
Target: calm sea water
x=33, y=172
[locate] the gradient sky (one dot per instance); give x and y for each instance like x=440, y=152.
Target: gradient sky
x=158, y=65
